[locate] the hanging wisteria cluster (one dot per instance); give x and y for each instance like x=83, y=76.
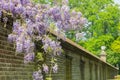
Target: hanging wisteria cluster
x=31, y=23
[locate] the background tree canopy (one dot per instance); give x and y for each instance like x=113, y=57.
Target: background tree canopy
x=103, y=28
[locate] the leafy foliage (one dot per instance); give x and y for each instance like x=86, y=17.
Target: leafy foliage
x=103, y=28
x=116, y=45
x=103, y=15
x=94, y=44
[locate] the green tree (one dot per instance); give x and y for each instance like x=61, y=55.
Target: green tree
x=116, y=45
x=103, y=17
x=94, y=44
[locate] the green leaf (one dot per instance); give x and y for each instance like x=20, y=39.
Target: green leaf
x=40, y=56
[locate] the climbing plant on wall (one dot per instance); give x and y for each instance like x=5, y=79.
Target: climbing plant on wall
x=32, y=23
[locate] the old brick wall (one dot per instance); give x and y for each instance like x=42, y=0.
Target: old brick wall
x=93, y=70
x=82, y=65
x=11, y=65
x=85, y=66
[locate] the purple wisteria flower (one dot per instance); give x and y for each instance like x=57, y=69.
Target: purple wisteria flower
x=12, y=37
x=5, y=19
x=5, y=6
x=45, y=68
x=19, y=9
x=38, y=18
x=37, y=75
x=24, y=2
x=11, y=6
x=27, y=44
x=51, y=46
x=45, y=47
x=16, y=2
x=79, y=36
x=19, y=47
x=65, y=2
x=79, y=15
x=20, y=30
x=29, y=57
x=41, y=28
x=16, y=25
x=55, y=68
x=83, y=21
x=0, y=13
x=29, y=12
x=66, y=12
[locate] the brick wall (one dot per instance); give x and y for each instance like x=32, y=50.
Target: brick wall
x=101, y=72
x=11, y=65
x=85, y=66
x=13, y=68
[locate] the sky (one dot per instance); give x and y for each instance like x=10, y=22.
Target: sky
x=117, y=1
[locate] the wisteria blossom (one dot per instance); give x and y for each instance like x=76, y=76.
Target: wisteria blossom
x=51, y=46
x=29, y=57
x=55, y=68
x=37, y=75
x=45, y=68
x=32, y=22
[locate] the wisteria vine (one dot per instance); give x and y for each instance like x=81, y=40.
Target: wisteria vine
x=32, y=22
